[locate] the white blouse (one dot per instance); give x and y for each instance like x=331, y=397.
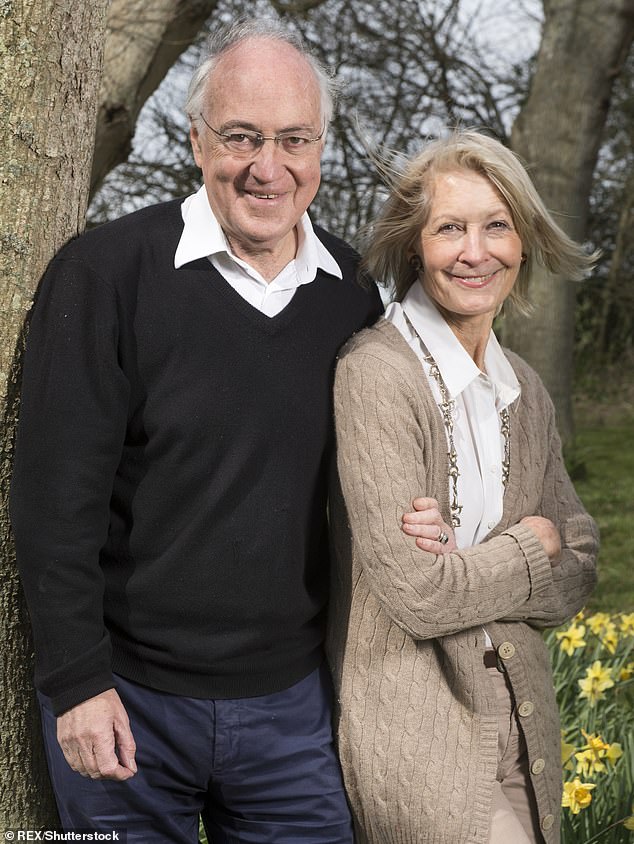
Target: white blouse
x=479, y=397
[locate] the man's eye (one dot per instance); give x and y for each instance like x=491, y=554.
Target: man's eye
x=239, y=138
x=295, y=140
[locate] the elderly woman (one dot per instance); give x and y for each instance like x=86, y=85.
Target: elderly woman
x=447, y=720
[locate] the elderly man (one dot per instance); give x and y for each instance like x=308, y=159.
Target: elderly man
x=169, y=490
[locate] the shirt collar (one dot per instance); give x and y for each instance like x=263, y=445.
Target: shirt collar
x=457, y=367
x=203, y=237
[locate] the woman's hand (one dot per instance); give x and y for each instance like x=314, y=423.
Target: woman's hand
x=427, y=526
x=547, y=534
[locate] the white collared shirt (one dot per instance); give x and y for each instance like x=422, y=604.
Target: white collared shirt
x=203, y=237
x=479, y=397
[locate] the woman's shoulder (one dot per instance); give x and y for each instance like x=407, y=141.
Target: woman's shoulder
x=382, y=341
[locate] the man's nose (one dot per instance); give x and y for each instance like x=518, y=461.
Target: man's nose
x=267, y=161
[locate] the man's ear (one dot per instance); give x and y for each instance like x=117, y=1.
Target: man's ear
x=194, y=137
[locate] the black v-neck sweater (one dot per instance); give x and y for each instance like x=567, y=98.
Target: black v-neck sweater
x=169, y=489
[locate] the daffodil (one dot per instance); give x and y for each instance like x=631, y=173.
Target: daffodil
x=597, y=622
x=627, y=624
x=596, y=681
x=627, y=672
x=590, y=757
x=567, y=751
x=613, y=752
x=609, y=637
x=572, y=638
x=628, y=823
x=577, y=795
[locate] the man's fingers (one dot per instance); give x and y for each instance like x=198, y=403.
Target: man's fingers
x=125, y=745
x=107, y=765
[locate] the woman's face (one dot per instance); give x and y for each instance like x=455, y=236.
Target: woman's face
x=470, y=250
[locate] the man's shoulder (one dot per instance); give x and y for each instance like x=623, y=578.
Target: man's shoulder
x=334, y=243
x=357, y=284
x=344, y=254
x=156, y=225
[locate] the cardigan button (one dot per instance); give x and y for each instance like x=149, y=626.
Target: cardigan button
x=538, y=766
x=547, y=822
x=525, y=709
x=506, y=650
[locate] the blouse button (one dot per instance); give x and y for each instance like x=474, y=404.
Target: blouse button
x=548, y=821
x=525, y=709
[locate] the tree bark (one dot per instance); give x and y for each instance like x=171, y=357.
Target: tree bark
x=50, y=73
x=145, y=37
x=619, y=288
x=558, y=133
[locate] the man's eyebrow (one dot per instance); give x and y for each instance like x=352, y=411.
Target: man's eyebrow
x=244, y=124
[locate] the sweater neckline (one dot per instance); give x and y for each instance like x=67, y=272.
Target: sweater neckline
x=268, y=324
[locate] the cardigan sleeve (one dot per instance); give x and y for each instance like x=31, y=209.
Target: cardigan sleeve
x=385, y=457
x=574, y=578
x=71, y=431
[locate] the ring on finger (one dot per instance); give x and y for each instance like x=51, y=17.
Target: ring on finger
x=443, y=538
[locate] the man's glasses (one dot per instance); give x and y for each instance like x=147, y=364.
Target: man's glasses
x=248, y=142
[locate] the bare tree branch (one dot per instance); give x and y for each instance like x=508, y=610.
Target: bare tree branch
x=145, y=37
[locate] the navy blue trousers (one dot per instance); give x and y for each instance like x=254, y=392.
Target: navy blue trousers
x=257, y=769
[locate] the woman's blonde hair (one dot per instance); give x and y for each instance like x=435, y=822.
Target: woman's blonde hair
x=394, y=237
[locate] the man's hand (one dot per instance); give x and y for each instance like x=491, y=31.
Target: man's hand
x=96, y=738
x=547, y=534
x=427, y=526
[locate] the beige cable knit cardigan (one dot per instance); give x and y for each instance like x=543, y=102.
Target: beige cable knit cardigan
x=417, y=723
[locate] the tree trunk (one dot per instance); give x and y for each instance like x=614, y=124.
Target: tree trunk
x=145, y=37
x=50, y=73
x=618, y=290
x=558, y=133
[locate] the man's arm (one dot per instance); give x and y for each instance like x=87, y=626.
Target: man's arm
x=72, y=427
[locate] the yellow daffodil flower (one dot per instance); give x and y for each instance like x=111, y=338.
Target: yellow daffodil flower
x=613, y=752
x=576, y=795
x=572, y=638
x=598, y=621
x=596, y=681
x=589, y=759
x=627, y=624
x=627, y=672
x=567, y=751
x=609, y=637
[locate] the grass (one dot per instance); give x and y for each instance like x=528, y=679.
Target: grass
x=601, y=464
x=605, y=484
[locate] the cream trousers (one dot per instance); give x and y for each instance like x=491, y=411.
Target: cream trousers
x=514, y=818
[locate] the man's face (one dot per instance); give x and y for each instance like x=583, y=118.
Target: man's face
x=258, y=200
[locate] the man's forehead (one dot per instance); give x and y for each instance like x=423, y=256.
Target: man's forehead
x=263, y=70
